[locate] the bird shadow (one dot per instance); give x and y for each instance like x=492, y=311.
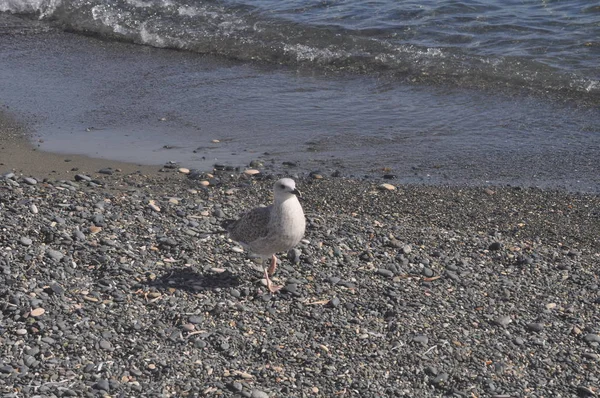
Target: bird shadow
x=190, y=280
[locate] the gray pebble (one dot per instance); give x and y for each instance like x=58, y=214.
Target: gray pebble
x=236, y=386
x=77, y=234
x=259, y=394
x=105, y=345
x=421, y=338
x=427, y=272
x=107, y=171
x=196, y=319
x=291, y=288
x=495, y=246
x=54, y=254
x=591, y=338
x=453, y=275
x=503, y=320
x=518, y=341
x=26, y=241
x=82, y=177
x=535, y=326
x=440, y=379
x=30, y=181
x=592, y=356
x=385, y=272
x=102, y=385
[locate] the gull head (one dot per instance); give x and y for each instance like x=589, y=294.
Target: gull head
x=285, y=189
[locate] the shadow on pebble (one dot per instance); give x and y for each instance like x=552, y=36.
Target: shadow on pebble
x=192, y=281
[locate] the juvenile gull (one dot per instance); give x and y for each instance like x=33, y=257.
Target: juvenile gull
x=272, y=229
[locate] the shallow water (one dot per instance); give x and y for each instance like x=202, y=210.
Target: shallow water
x=137, y=103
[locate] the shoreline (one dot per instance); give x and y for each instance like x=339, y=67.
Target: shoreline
x=19, y=155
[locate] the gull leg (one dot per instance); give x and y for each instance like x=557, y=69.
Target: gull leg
x=272, y=288
x=273, y=266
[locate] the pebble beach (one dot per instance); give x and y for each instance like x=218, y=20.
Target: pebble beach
x=117, y=280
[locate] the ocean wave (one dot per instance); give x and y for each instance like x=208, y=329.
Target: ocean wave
x=247, y=34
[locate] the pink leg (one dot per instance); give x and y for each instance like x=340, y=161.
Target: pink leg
x=273, y=266
x=272, y=288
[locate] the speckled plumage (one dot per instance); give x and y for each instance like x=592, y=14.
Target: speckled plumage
x=272, y=229
x=275, y=228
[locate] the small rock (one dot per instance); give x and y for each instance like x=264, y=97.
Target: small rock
x=30, y=181
x=584, y=391
x=25, y=241
x=385, y=272
x=334, y=302
x=334, y=280
x=152, y=204
x=107, y=171
x=503, y=320
x=251, y=172
x=259, y=394
x=518, y=341
x=440, y=379
x=236, y=386
x=183, y=170
x=105, y=345
x=592, y=356
x=495, y=246
x=82, y=177
x=102, y=385
x=387, y=187
x=421, y=338
x=54, y=254
x=591, y=338
x=37, y=312
x=291, y=288
x=535, y=327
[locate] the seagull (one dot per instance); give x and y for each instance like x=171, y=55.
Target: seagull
x=272, y=229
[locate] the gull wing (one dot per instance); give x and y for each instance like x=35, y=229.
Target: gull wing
x=251, y=226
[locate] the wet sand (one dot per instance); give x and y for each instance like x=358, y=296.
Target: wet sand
x=22, y=157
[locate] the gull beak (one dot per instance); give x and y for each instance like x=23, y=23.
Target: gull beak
x=297, y=193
